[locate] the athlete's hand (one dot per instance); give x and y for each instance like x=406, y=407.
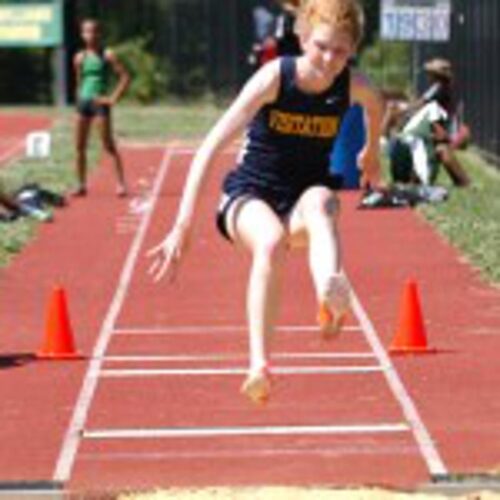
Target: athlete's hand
x=369, y=163
x=104, y=101
x=168, y=254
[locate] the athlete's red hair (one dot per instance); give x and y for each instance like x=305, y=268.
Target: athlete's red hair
x=343, y=15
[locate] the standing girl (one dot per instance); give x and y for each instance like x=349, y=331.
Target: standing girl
x=92, y=66
x=281, y=194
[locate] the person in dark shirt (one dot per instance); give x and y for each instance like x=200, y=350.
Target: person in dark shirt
x=287, y=39
x=264, y=48
x=275, y=35
x=440, y=75
x=280, y=195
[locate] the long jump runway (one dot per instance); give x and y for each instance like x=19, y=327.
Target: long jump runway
x=160, y=406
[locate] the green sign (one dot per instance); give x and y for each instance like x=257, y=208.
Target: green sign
x=31, y=23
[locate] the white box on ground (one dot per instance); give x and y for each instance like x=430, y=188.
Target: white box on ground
x=38, y=144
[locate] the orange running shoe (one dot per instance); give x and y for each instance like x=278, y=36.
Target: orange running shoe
x=257, y=386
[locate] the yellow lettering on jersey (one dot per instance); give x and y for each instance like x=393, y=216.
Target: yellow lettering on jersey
x=323, y=127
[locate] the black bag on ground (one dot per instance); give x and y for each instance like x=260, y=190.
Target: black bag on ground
x=37, y=197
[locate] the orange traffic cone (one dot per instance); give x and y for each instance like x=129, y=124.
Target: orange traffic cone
x=411, y=336
x=58, y=342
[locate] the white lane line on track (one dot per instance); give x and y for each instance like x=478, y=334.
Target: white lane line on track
x=247, y=452
x=190, y=151
x=76, y=432
x=176, y=150
x=429, y=451
x=210, y=432
x=280, y=370
x=213, y=329
x=72, y=437
x=237, y=356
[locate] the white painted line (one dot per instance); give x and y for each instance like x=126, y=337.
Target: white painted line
x=353, y=449
x=72, y=438
x=192, y=151
x=32, y=493
x=237, y=356
x=284, y=370
x=210, y=432
x=422, y=436
x=176, y=150
x=211, y=329
x=153, y=144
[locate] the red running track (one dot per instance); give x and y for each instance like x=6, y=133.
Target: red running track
x=13, y=130
x=160, y=403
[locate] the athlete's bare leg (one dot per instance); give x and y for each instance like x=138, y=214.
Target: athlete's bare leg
x=108, y=142
x=452, y=166
x=254, y=225
x=82, y=131
x=314, y=221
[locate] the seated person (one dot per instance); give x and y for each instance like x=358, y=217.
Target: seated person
x=440, y=92
x=440, y=89
x=421, y=146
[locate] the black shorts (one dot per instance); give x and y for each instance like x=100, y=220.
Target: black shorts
x=226, y=202
x=89, y=109
x=282, y=203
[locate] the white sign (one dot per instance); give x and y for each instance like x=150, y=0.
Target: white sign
x=38, y=144
x=420, y=20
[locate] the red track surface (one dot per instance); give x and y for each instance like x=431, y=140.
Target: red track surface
x=13, y=129
x=454, y=391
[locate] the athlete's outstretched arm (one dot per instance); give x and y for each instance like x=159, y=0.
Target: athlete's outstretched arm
x=262, y=89
x=365, y=94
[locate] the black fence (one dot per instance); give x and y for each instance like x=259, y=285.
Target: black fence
x=25, y=76
x=474, y=51
x=202, y=43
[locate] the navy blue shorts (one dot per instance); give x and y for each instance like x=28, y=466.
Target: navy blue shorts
x=280, y=201
x=89, y=109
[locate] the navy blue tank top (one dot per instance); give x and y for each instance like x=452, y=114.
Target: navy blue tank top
x=289, y=142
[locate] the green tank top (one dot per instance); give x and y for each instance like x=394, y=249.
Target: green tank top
x=94, y=76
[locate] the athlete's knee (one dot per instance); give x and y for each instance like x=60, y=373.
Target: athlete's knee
x=269, y=248
x=321, y=205
x=444, y=153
